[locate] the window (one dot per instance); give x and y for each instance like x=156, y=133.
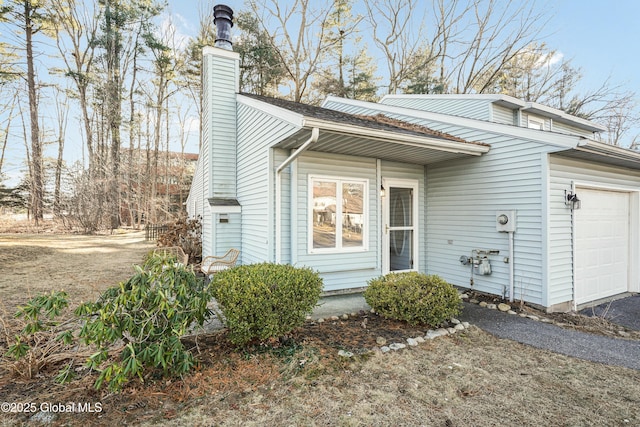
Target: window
x=338, y=213
x=535, y=123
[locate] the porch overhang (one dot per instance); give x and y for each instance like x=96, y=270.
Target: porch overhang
x=398, y=146
x=599, y=152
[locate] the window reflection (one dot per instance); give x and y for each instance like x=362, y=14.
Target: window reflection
x=352, y=214
x=324, y=214
x=339, y=214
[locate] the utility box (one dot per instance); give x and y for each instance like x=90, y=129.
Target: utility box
x=506, y=221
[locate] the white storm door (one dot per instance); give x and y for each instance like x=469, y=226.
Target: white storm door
x=400, y=226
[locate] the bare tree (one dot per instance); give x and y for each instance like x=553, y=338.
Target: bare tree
x=298, y=32
x=62, y=115
x=30, y=16
x=4, y=135
x=76, y=26
x=394, y=32
x=500, y=32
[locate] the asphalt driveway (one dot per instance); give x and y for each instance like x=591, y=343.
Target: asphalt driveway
x=625, y=312
x=596, y=348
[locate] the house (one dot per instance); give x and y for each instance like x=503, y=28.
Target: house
x=492, y=193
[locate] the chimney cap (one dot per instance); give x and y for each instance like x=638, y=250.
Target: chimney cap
x=223, y=20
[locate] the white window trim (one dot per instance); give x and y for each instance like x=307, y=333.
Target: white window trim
x=339, y=180
x=536, y=123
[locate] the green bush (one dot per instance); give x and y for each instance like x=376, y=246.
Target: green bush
x=43, y=336
x=413, y=297
x=263, y=301
x=148, y=314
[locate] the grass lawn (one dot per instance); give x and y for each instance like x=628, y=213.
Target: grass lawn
x=470, y=379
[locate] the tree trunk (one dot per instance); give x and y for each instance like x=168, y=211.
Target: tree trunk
x=37, y=187
x=115, y=111
x=59, y=162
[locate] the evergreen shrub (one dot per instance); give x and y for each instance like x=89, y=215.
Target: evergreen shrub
x=413, y=297
x=263, y=301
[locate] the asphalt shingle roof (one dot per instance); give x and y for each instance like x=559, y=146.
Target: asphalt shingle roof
x=378, y=122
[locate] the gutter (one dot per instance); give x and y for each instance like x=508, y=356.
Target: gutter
x=426, y=141
x=315, y=133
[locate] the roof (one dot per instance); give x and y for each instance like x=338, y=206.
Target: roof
x=573, y=146
x=514, y=104
x=374, y=136
x=596, y=151
x=378, y=121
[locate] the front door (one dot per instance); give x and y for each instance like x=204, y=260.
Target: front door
x=400, y=218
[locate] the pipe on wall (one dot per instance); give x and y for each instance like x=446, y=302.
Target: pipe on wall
x=511, y=267
x=315, y=133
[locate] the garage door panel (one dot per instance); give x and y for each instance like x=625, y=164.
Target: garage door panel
x=602, y=244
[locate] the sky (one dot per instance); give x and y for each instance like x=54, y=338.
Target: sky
x=601, y=37
x=598, y=36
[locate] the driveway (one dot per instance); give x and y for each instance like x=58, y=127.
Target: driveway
x=596, y=348
x=625, y=312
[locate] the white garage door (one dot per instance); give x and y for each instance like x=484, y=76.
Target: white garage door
x=602, y=244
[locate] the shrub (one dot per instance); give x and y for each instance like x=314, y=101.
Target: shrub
x=44, y=340
x=263, y=301
x=148, y=314
x=413, y=297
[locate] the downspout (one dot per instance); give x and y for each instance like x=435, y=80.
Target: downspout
x=315, y=132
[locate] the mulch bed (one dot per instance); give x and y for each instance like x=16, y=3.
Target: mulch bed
x=223, y=370
x=227, y=373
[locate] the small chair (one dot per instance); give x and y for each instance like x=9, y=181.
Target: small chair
x=214, y=264
x=175, y=251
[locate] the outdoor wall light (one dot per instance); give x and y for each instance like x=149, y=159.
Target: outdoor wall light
x=382, y=191
x=571, y=200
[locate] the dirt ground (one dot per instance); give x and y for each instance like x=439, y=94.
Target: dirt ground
x=471, y=378
x=84, y=266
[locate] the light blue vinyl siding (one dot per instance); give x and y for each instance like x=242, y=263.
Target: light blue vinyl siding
x=257, y=132
x=563, y=172
x=343, y=270
x=462, y=199
x=503, y=115
x=196, y=196
x=571, y=130
x=227, y=235
x=472, y=108
x=219, y=109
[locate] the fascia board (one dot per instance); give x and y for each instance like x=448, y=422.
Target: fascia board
x=280, y=113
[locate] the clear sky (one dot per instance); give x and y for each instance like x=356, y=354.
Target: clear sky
x=599, y=36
